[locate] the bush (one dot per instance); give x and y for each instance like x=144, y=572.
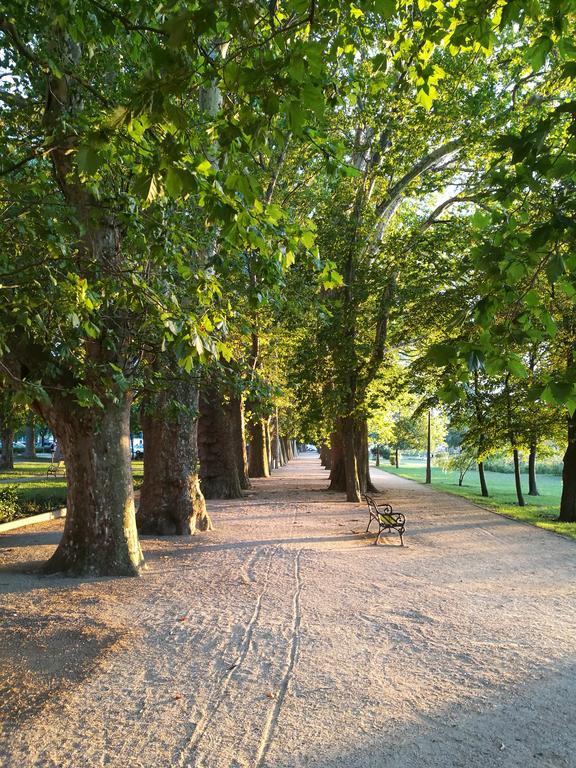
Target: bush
x=9, y=503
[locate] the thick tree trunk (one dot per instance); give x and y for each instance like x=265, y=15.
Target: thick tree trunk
x=532, y=486
x=100, y=536
x=518, y=480
x=171, y=502
x=568, y=500
x=238, y=426
x=482, y=476
x=219, y=477
x=350, y=459
x=338, y=470
x=30, y=452
x=428, y=480
x=7, y=459
x=258, y=464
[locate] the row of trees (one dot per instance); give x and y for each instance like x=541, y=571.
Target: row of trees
x=219, y=205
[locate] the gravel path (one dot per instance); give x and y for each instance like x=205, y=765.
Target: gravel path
x=284, y=639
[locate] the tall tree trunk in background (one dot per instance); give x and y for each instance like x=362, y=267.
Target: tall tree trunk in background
x=238, y=426
x=428, y=480
x=268, y=443
x=328, y=462
x=100, y=536
x=219, y=477
x=30, y=452
x=568, y=500
x=258, y=464
x=397, y=457
x=532, y=486
x=323, y=455
x=518, y=479
x=482, y=476
x=338, y=469
x=377, y=455
x=350, y=459
x=287, y=448
x=171, y=502
x=362, y=456
x=7, y=459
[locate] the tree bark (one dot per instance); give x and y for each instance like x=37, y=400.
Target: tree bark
x=171, y=502
x=482, y=476
x=30, y=452
x=518, y=480
x=238, y=426
x=362, y=456
x=568, y=500
x=350, y=459
x=377, y=453
x=258, y=464
x=100, y=536
x=219, y=477
x=7, y=460
x=338, y=470
x=268, y=443
x=532, y=486
x=397, y=458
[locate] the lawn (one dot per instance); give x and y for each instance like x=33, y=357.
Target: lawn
x=44, y=493
x=539, y=510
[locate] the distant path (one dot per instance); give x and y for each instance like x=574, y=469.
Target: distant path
x=285, y=639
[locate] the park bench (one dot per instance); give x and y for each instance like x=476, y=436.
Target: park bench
x=387, y=519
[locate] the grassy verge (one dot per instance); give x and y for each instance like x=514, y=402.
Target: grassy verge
x=43, y=494
x=541, y=511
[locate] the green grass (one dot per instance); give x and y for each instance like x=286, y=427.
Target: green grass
x=45, y=493
x=38, y=467
x=539, y=510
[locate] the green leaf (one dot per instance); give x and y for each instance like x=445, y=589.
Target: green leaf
x=538, y=52
x=555, y=267
x=204, y=167
x=308, y=238
x=88, y=159
x=385, y=8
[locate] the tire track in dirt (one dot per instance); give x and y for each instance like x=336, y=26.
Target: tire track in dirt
x=205, y=721
x=272, y=720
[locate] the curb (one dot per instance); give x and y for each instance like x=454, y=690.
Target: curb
x=24, y=521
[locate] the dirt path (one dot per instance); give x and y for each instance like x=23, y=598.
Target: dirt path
x=284, y=639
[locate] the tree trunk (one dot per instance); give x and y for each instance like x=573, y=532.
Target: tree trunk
x=30, y=452
x=7, y=460
x=532, y=487
x=362, y=456
x=238, y=425
x=397, y=458
x=428, y=480
x=268, y=443
x=219, y=477
x=482, y=476
x=100, y=536
x=568, y=500
x=350, y=460
x=283, y=459
x=171, y=503
x=377, y=455
x=517, y=479
x=258, y=464
x=338, y=470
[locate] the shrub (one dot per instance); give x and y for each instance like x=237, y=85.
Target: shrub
x=9, y=503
